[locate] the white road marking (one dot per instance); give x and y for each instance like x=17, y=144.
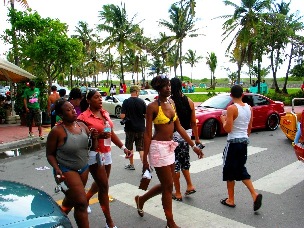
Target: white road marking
x=281, y=180
x=125, y=193
x=216, y=160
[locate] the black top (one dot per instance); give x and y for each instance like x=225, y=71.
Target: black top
x=134, y=108
x=183, y=111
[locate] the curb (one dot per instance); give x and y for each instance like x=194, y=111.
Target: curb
x=22, y=143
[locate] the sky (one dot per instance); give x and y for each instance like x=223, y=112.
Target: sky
x=148, y=13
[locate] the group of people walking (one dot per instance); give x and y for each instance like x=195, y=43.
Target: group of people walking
x=162, y=134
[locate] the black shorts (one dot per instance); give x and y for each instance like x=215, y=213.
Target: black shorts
x=137, y=137
x=235, y=157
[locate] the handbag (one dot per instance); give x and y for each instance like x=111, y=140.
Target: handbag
x=145, y=180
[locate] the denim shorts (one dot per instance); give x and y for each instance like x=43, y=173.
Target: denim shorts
x=65, y=169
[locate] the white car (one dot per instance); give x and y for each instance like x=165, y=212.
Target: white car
x=113, y=104
x=62, y=87
x=148, y=94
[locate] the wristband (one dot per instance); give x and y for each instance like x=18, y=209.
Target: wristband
x=123, y=147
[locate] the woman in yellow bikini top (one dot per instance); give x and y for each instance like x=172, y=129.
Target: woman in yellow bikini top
x=159, y=146
x=161, y=118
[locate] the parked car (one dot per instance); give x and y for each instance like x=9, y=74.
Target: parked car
x=266, y=113
x=25, y=206
x=113, y=103
x=148, y=94
x=102, y=93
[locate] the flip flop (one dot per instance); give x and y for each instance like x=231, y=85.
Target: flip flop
x=258, y=202
x=139, y=211
x=223, y=201
x=189, y=192
x=176, y=199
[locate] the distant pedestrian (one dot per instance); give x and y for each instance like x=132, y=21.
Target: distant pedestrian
x=133, y=113
x=237, y=123
x=75, y=98
x=302, y=86
x=31, y=103
x=112, y=89
x=124, y=86
x=121, y=90
x=51, y=101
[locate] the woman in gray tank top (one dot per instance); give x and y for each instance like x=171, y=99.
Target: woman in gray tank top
x=67, y=153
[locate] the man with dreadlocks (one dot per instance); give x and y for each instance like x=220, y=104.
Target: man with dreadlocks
x=186, y=113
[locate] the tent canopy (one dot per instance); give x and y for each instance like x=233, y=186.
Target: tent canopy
x=12, y=73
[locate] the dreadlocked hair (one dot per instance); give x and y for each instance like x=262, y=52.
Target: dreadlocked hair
x=159, y=82
x=176, y=92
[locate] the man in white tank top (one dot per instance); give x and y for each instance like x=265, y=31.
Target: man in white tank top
x=237, y=123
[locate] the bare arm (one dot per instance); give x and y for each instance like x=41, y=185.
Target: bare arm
x=250, y=122
x=227, y=120
x=193, y=122
x=51, y=148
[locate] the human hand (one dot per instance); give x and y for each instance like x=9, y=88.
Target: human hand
x=94, y=133
x=105, y=135
x=128, y=153
x=198, y=151
x=146, y=166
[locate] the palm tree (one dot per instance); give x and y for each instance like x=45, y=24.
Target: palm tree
x=14, y=37
x=192, y=59
x=242, y=23
x=182, y=16
x=212, y=63
x=121, y=31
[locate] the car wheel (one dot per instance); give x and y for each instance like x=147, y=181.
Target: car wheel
x=273, y=122
x=209, y=129
x=117, y=111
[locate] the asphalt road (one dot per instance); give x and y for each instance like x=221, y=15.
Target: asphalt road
x=271, y=162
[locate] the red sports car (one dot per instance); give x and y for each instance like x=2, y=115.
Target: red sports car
x=266, y=113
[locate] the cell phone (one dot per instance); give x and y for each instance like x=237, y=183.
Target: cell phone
x=99, y=159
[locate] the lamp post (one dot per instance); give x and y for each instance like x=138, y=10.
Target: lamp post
x=71, y=73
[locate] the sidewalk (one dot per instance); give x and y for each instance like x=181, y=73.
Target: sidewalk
x=14, y=136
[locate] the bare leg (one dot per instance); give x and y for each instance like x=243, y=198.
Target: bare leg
x=230, y=188
x=100, y=176
x=176, y=181
x=251, y=189
x=92, y=191
x=186, y=174
x=40, y=130
x=76, y=194
x=141, y=155
x=131, y=159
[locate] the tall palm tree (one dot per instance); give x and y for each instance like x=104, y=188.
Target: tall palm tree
x=242, y=25
x=191, y=58
x=121, y=31
x=212, y=63
x=182, y=16
x=14, y=37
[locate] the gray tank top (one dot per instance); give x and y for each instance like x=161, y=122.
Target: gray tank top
x=73, y=153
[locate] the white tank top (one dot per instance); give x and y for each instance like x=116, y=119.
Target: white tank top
x=240, y=124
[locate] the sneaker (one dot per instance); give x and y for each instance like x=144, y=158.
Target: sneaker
x=31, y=134
x=130, y=167
x=41, y=137
x=109, y=227
x=89, y=210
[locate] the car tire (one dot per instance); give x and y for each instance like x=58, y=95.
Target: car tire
x=273, y=122
x=209, y=129
x=118, y=111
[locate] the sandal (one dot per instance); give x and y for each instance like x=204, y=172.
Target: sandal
x=139, y=211
x=223, y=201
x=189, y=192
x=177, y=199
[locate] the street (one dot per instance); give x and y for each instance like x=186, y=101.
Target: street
x=272, y=164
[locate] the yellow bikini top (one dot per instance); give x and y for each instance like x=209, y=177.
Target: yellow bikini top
x=161, y=118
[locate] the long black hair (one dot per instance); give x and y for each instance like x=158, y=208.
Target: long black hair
x=176, y=92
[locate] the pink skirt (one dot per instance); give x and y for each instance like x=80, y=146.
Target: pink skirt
x=161, y=153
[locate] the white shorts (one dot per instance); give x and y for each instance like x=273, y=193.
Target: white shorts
x=106, y=158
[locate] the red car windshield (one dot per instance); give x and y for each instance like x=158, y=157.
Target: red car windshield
x=218, y=102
